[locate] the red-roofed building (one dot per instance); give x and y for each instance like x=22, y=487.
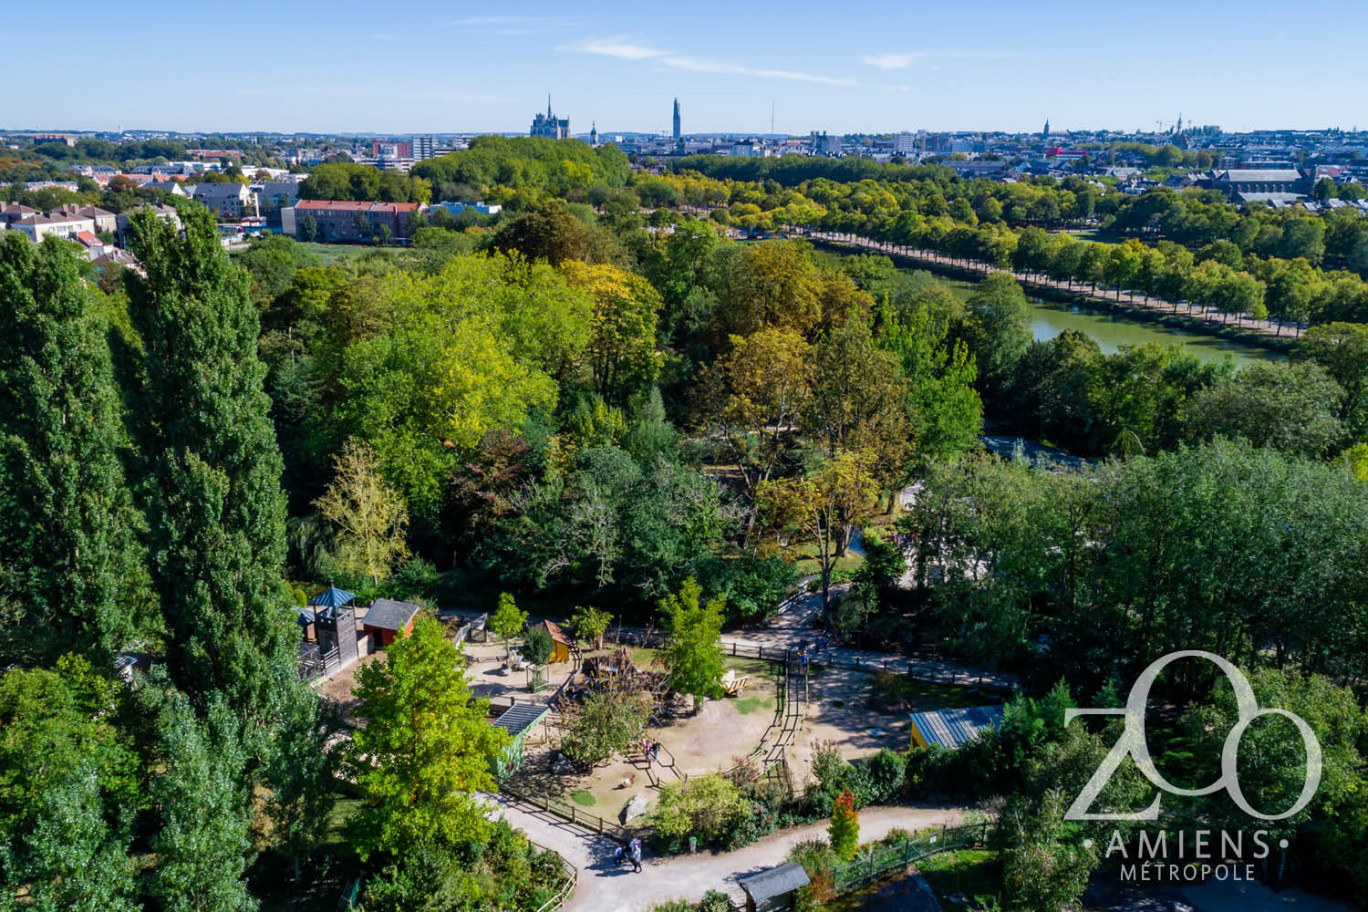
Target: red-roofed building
x=332, y=221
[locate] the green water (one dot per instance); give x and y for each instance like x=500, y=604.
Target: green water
x=1113, y=329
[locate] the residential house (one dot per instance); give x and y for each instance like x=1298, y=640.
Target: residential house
x=230, y=200
x=104, y=221
x=13, y=212
x=93, y=246
x=272, y=195
x=41, y=225
x=175, y=188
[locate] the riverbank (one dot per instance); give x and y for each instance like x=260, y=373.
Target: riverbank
x=1138, y=307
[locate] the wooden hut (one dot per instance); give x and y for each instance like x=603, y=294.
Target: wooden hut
x=560, y=643
x=386, y=618
x=517, y=720
x=773, y=889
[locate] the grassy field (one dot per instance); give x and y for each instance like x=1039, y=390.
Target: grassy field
x=974, y=872
x=336, y=253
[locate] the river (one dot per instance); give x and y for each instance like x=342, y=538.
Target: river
x=1112, y=329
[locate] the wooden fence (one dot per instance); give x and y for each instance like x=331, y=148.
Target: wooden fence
x=882, y=860
x=570, y=813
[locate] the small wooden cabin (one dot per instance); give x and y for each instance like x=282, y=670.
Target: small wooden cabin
x=386, y=618
x=560, y=643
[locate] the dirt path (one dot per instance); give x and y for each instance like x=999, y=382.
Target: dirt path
x=605, y=887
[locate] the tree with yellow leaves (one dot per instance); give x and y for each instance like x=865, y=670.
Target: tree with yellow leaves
x=621, y=355
x=823, y=506
x=369, y=515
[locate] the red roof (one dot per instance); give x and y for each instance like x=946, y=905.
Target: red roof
x=90, y=240
x=354, y=206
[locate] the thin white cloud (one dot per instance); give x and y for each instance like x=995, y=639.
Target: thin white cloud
x=621, y=48
x=506, y=25
x=908, y=60
x=383, y=36
x=625, y=48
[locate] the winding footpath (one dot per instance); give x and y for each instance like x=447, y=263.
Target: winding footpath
x=607, y=887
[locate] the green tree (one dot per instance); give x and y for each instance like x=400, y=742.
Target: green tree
x=1342, y=349
x=1044, y=868
x=945, y=408
x=369, y=516
x=693, y=653
x=844, y=829
x=705, y=806
x=56, y=723
x=425, y=749
x=537, y=646
x=1291, y=407
x=74, y=860
x=508, y=620
x=608, y=721
x=214, y=505
x=203, y=845
x=823, y=507
x=67, y=524
x=997, y=328
x=621, y=353
x=590, y=624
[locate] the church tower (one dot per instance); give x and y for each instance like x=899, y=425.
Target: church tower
x=593, y=134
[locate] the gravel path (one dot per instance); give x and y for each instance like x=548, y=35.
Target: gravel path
x=605, y=887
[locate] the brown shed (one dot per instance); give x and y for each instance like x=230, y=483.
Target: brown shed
x=560, y=643
x=386, y=618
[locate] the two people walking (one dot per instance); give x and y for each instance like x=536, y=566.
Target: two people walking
x=631, y=853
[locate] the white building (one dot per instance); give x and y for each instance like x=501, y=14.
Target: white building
x=40, y=226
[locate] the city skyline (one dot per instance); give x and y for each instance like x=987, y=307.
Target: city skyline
x=816, y=68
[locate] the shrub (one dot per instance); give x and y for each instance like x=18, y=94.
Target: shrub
x=844, y=830
x=817, y=860
x=882, y=776
x=707, y=807
x=714, y=901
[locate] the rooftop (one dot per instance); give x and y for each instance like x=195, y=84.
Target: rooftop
x=776, y=881
x=519, y=717
x=387, y=614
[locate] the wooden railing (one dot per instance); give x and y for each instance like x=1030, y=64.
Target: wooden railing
x=882, y=860
x=570, y=813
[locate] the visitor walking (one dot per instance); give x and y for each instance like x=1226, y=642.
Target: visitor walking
x=635, y=854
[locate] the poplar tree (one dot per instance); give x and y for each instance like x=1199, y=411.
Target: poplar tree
x=215, y=509
x=66, y=517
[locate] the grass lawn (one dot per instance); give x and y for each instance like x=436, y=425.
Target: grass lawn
x=583, y=798
x=973, y=872
x=334, y=253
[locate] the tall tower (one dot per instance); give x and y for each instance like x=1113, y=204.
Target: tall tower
x=593, y=134
x=1046, y=133
x=676, y=121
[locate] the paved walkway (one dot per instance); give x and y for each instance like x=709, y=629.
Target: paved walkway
x=606, y=887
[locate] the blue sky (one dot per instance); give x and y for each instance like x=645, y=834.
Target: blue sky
x=426, y=66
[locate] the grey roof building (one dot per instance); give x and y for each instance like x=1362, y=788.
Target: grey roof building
x=773, y=889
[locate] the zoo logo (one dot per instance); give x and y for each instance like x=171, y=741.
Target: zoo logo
x=1133, y=743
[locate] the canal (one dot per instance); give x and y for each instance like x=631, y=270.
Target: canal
x=1113, y=329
